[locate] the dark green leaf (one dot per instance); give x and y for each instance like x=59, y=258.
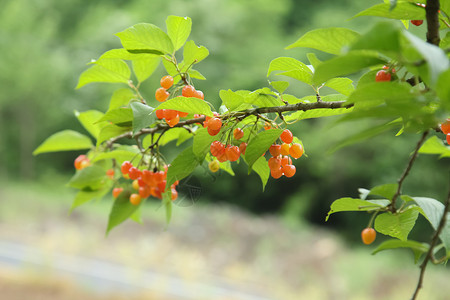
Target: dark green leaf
x=182, y=166
x=142, y=116
x=121, y=210
x=66, y=140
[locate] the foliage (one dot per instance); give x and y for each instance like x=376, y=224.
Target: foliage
x=402, y=84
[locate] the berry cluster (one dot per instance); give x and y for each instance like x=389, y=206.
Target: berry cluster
x=280, y=163
x=146, y=183
x=81, y=162
x=445, y=128
x=225, y=153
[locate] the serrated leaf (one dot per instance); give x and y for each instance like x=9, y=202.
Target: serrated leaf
x=142, y=116
x=260, y=144
x=417, y=248
x=398, y=225
x=105, y=70
x=89, y=121
x=386, y=190
x=120, y=98
x=402, y=11
x=202, y=143
x=341, y=85
x=146, y=37
x=435, y=145
x=329, y=40
x=187, y=104
x=85, y=196
x=261, y=167
x=193, y=54
x=263, y=98
x=349, y=63
x=280, y=86
x=290, y=67
x=182, y=166
x=317, y=113
x=92, y=177
x=66, y=140
x=351, y=204
x=232, y=100
x=121, y=116
x=383, y=37
x=110, y=131
x=196, y=74
x=121, y=210
x=178, y=29
x=144, y=68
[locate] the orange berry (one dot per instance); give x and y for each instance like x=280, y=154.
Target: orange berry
x=110, y=173
x=213, y=132
x=135, y=199
x=214, y=166
x=289, y=170
x=160, y=113
x=267, y=126
x=276, y=173
x=174, y=193
x=183, y=114
x=383, y=75
x=78, y=160
x=125, y=168
x=238, y=133
x=161, y=94
x=286, y=160
x=199, y=95
x=232, y=153
x=188, y=91
x=134, y=173
x=174, y=121
x=274, y=163
x=275, y=150
x=170, y=114
x=243, y=147
x=223, y=157
x=368, y=235
x=116, y=192
x=445, y=127
x=296, y=150
x=217, y=148
x=85, y=163
x=214, y=123
x=166, y=82
x=286, y=136
x=144, y=191
x=285, y=149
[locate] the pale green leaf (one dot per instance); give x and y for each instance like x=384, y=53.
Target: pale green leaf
x=178, y=29
x=89, y=121
x=398, y=225
x=189, y=105
x=351, y=204
x=146, y=37
x=66, y=140
x=105, y=70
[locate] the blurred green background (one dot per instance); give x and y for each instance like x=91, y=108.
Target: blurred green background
x=46, y=44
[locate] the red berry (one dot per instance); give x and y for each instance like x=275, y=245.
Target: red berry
x=286, y=160
x=223, y=157
x=214, y=123
x=267, y=126
x=213, y=132
x=296, y=150
x=276, y=173
x=217, y=148
x=232, y=153
x=144, y=191
x=289, y=170
x=243, y=147
x=382, y=75
x=188, y=91
x=174, y=193
x=116, y=192
x=199, y=95
x=135, y=199
x=79, y=161
x=161, y=94
x=174, y=121
x=160, y=113
x=417, y=22
x=238, y=133
x=445, y=127
x=125, y=168
x=368, y=235
x=275, y=150
x=183, y=114
x=274, y=163
x=286, y=136
x=134, y=173
x=166, y=82
x=170, y=114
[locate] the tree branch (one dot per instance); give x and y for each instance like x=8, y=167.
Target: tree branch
x=433, y=243
x=406, y=171
x=432, y=15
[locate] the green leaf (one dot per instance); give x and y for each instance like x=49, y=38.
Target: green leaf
x=261, y=168
x=144, y=68
x=137, y=216
x=292, y=68
x=386, y=190
x=146, y=37
x=142, y=116
x=383, y=37
x=92, y=177
x=182, y=166
x=280, y=86
x=106, y=70
x=121, y=210
x=187, y=104
x=433, y=210
x=437, y=61
x=110, y=131
x=260, y=144
x=121, y=116
x=351, y=204
x=85, y=196
x=202, y=143
x=435, y=145
x=349, y=63
x=178, y=29
x=443, y=89
x=402, y=11
x=313, y=60
x=341, y=85
x=120, y=98
x=89, y=121
x=330, y=40
x=196, y=74
x=232, y=100
x=317, y=113
x=263, y=98
x=193, y=54
x=417, y=248
x=168, y=205
x=66, y=140
x=398, y=225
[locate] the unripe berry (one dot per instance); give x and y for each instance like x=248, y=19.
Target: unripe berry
x=135, y=199
x=214, y=166
x=285, y=149
x=78, y=161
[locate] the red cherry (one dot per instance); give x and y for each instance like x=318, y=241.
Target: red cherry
x=296, y=150
x=215, y=123
x=275, y=150
x=448, y=138
x=238, y=133
x=289, y=170
x=232, y=153
x=417, y=22
x=166, y=82
x=243, y=147
x=445, y=127
x=160, y=113
x=134, y=173
x=199, y=95
x=382, y=75
x=125, y=168
x=217, y=148
x=116, y=192
x=161, y=94
x=188, y=91
x=286, y=136
x=213, y=132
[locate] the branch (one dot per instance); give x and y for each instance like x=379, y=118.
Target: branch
x=433, y=243
x=406, y=171
x=432, y=15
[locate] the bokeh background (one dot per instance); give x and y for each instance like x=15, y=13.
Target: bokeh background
x=231, y=240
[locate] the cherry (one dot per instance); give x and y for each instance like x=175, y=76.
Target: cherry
x=170, y=114
x=213, y=132
x=296, y=150
x=134, y=173
x=85, y=163
x=275, y=150
x=161, y=94
x=214, y=166
x=144, y=191
x=276, y=173
x=243, y=147
x=285, y=149
x=199, y=95
x=188, y=91
x=174, y=121
x=116, y=192
x=214, y=123
x=368, y=235
x=166, y=82
x=238, y=133
x=223, y=157
x=267, y=126
x=160, y=113
x=289, y=170
x=78, y=161
x=232, y=153
x=286, y=160
x=274, y=163
x=182, y=114
x=135, y=184
x=125, y=168
x=417, y=22
x=382, y=75
x=135, y=199
x=174, y=193
x=445, y=127
x=286, y=136
x=217, y=148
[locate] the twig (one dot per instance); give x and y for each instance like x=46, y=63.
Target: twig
x=434, y=240
x=406, y=171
